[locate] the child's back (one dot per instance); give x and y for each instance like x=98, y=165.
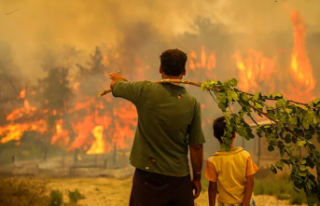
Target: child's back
x=230, y=173
x=230, y=169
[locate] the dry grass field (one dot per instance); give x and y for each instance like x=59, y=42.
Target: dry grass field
x=116, y=192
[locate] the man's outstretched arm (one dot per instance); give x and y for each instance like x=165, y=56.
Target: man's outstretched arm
x=115, y=77
x=196, y=156
x=122, y=88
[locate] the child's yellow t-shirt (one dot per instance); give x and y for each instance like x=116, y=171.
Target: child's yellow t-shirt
x=230, y=169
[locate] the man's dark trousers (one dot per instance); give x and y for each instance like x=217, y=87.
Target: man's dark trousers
x=151, y=189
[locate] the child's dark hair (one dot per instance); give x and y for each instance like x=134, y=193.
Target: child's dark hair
x=219, y=127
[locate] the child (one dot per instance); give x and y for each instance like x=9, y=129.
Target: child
x=230, y=173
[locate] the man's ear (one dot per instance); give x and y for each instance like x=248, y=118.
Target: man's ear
x=184, y=72
x=160, y=70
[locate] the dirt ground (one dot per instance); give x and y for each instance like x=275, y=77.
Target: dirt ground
x=115, y=192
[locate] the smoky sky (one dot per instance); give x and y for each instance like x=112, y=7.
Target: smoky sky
x=38, y=24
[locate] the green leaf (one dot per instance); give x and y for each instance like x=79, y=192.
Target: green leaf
x=281, y=103
x=227, y=140
x=276, y=96
x=293, y=120
x=287, y=138
x=270, y=148
x=256, y=96
x=203, y=86
x=245, y=97
x=308, y=136
x=259, y=132
x=315, y=120
x=233, y=82
x=279, y=164
x=288, y=110
x=222, y=106
x=303, y=161
x=302, y=173
x=229, y=93
x=234, y=96
x=310, y=116
x=302, y=168
x=221, y=97
x=273, y=169
x=316, y=101
x=301, y=143
x=258, y=105
x=305, y=123
x=225, y=147
x=274, y=142
x=269, y=109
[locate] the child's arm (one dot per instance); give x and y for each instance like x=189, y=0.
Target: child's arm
x=250, y=171
x=212, y=176
x=212, y=193
x=248, y=191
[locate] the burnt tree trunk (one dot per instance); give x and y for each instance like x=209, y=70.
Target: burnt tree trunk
x=45, y=153
x=75, y=157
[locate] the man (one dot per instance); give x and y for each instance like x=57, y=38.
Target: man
x=169, y=119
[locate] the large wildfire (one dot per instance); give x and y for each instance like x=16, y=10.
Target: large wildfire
x=100, y=125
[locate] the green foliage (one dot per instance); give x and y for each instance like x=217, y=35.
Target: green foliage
x=75, y=196
x=292, y=126
x=279, y=188
x=23, y=192
x=56, y=198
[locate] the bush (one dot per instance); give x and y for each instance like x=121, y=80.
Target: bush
x=21, y=192
x=56, y=198
x=75, y=196
x=280, y=188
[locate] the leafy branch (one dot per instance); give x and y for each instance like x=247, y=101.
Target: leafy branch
x=293, y=125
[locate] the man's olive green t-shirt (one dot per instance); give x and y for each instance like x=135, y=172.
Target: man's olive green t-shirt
x=169, y=120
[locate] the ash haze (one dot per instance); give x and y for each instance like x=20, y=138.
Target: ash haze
x=39, y=24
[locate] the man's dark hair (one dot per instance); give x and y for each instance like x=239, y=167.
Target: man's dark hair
x=173, y=62
x=219, y=127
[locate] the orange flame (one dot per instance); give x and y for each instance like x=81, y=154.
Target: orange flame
x=254, y=69
x=15, y=131
x=206, y=62
x=99, y=125
x=98, y=146
x=23, y=93
x=300, y=67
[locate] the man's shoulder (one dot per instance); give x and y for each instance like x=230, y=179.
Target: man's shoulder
x=192, y=98
x=143, y=82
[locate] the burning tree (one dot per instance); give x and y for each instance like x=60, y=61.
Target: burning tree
x=9, y=84
x=55, y=97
